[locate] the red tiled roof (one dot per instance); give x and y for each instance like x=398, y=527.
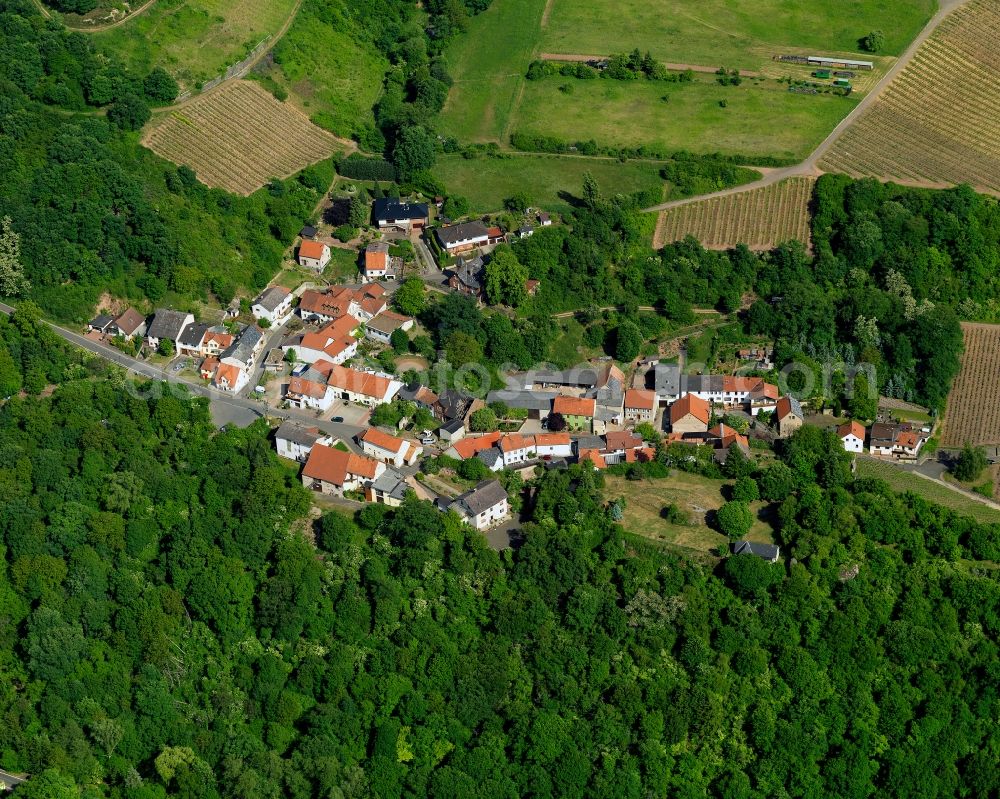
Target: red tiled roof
x=227, y=373
x=727, y=436
x=515, y=441
x=552, y=439
x=573, y=406
x=222, y=340
x=783, y=408
x=311, y=249
x=359, y=382
x=907, y=439
x=469, y=447
x=382, y=440
x=693, y=405
x=332, y=465
x=852, y=428
x=376, y=260
x=306, y=388
x=593, y=457
x=640, y=398
x=209, y=365
x=616, y=440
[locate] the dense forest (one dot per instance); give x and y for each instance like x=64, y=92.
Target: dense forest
x=168, y=630
x=94, y=210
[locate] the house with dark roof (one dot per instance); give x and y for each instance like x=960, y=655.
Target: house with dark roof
x=768, y=552
x=307, y=232
x=389, y=488
x=666, y=382
x=129, y=324
x=483, y=506
x=274, y=304
x=469, y=277
x=295, y=442
x=191, y=339
x=463, y=237
x=167, y=325
x=452, y=431
x=389, y=212
x=101, y=324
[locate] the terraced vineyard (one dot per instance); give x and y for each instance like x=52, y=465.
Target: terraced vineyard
x=760, y=218
x=974, y=402
x=238, y=137
x=937, y=123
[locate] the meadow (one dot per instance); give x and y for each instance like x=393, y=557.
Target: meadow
x=723, y=33
x=486, y=182
x=194, y=40
x=757, y=119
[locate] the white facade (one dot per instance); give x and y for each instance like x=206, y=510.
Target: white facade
x=483, y=521
x=406, y=454
x=554, y=450
x=297, y=451
x=316, y=263
x=852, y=443
x=332, y=354
x=279, y=315
x=309, y=402
x=512, y=457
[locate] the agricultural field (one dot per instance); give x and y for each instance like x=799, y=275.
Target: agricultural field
x=694, y=495
x=973, y=413
x=238, y=137
x=194, y=40
x=902, y=480
x=723, y=33
x=547, y=179
x=755, y=119
x=940, y=113
x=760, y=218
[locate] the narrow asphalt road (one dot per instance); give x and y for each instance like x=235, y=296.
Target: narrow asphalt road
x=810, y=166
x=225, y=407
x=8, y=781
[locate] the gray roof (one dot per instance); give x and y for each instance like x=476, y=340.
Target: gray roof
x=701, y=384
x=471, y=273
x=275, y=355
x=378, y=246
x=667, y=379
x=242, y=348
x=193, y=334
x=101, y=322
x=391, y=483
x=166, y=324
x=390, y=208
x=529, y=400
x=796, y=406
x=483, y=497
x=462, y=232
x=590, y=442
x=453, y=426
x=297, y=434
x=271, y=298
x=453, y=404
x=387, y=322
x=765, y=551
x=490, y=456
x=579, y=376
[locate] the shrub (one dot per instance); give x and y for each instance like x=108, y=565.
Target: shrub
x=734, y=519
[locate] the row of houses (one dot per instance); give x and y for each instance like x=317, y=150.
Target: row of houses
x=898, y=441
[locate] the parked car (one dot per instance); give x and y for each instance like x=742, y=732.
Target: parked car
x=337, y=419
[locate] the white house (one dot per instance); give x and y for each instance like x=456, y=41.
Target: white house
x=388, y=212
x=385, y=324
x=229, y=377
x=274, y=304
x=389, y=449
x=463, y=237
x=378, y=263
x=167, y=325
x=516, y=449
x=852, y=436
x=389, y=489
x=365, y=388
x=334, y=343
x=295, y=442
x=640, y=405
x=329, y=470
x=553, y=445
x=483, y=506
x=308, y=394
x=314, y=254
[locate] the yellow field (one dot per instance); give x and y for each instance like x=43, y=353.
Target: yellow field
x=974, y=403
x=238, y=137
x=938, y=123
x=760, y=218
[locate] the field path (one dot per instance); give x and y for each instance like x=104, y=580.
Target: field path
x=809, y=167
x=547, y=13
x=578, y=57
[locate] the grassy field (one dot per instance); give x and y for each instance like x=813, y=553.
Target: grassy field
x=761, y=218
x=940, y=113
x=934, y=492
x=488, y=63
x=328, y=72
x=727, y=33
x=693, y=494
x=486, y=182
x=238, y=137
x=194, y=40
x=762, y=119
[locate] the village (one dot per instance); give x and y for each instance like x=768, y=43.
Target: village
x=330, y=352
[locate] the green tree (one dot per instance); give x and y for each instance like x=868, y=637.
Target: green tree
x=776, y=482
x=473, y=469
x=863, y=402
x=483, y=421
x=505, y=278
x=410, y=298
x=873, y=41
x=734, y=519
x=10, y=374
x=166, y=347
x=414, y=152
x=628, y=341
x=463, y=348
x=12, y=280
x=591, y=191
x=129, y=113
x=745, y=490
x=357, y=214
x=399, y=340
x=970, y=463
x=159, y=87
x=519, y=202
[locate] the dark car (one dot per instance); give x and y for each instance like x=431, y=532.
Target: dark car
x=337, y=419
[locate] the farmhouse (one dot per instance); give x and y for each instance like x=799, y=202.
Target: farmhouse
x=690, y=414
x=898, y=441
x=640, y=405
x=788, y=416
x=625, y=447
x=274, y=304
x=463, y=237
x=387, y=448
x=130, y=324
x=362, y=387
x=577, y=411
x=295, y=442
x=852, y=436
x=332, y=471
x=334, y=342
x=385, y=324
x=167, y=325
x=378, y=264
x=483, y=506
x=314, y=254
x=309, y=392
x=465, y=448
x=391, y=213
x=324, y=306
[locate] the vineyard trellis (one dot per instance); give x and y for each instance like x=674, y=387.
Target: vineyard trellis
x=973, y=411
x=760, y=218
x=239, y=137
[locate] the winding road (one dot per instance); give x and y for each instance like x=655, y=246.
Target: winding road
x=810, y=166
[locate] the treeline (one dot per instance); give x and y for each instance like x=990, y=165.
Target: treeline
x=96, y=212
x=168, y=631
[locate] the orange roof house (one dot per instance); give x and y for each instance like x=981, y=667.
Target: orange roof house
x=852, y=428
x=690, y=405
x=469, y=447
x=382, y=440
x=593, y=457
x=726, y=437
x=300, y=386
x=573, y=406
x=311, y=248
x=336, y=467
x=640, y=398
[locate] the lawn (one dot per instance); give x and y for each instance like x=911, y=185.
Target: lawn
x=693, y=494
x=728, y=33
x=486, y=182
x=488, y=63
x=194, y=40
x=901, y=480
x=759, y=118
